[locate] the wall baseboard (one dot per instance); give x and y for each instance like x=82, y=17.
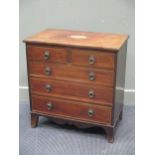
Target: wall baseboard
x=129, y=95
x=23, y=94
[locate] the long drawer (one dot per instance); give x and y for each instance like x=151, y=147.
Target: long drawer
x=76, y=110
x=72, y=73
x=72, y=90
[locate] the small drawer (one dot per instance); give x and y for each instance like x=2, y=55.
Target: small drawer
x=47, y=54
x=72, y=90
x=92, y=58
x=72, y=109
x=72, y=73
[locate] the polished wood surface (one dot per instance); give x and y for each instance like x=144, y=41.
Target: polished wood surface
x=77, y=77
x=56, y=54
x=72, y=73
x=79, y=39
x=62, y=89
x=101, y=59
x=74, y=109
x=119, y=83
x=34, y=120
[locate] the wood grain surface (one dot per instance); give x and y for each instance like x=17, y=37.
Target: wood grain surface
x=79, y=39
x=71, y=108
x=72, y=73
x=102, y=59
x=56, y=54
x=72, y=90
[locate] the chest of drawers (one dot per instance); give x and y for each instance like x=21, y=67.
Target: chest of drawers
x=77, y=77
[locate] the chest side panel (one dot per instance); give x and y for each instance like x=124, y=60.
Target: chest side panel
x=120, y=82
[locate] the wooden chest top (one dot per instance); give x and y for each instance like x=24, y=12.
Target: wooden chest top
x=79, y=39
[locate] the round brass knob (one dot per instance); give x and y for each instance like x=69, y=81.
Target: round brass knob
x=49, y=106
x=90, y=113
x=91, y=76
x=91, y=94
x=91, y=60
x=46, y=55
x=48, y=71
x=48, y=87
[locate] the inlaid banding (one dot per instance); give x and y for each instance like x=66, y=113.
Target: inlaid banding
x=78, y=36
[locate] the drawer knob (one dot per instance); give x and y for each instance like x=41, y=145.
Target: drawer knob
x=48, y=71
x=91, y=94
x=48, y=87
x=49, y=106
x=46, y=55
x=91, y=76
x=91, y=60
x=90, y=113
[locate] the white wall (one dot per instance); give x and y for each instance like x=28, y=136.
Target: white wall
x=87, y=15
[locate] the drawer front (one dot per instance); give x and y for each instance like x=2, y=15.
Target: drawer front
x=70, y=90
x=72, y=109
x=93, y=58
x=45, y=54
x=72, y=73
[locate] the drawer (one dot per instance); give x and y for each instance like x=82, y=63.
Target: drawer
x=75, y=110
x=72, y=73
x=46, y=54
x=93, y=58
x=72, y=90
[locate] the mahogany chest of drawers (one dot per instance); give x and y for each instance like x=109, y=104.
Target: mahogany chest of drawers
x=77, y=77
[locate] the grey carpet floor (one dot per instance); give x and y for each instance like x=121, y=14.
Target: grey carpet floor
x=52, y=139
